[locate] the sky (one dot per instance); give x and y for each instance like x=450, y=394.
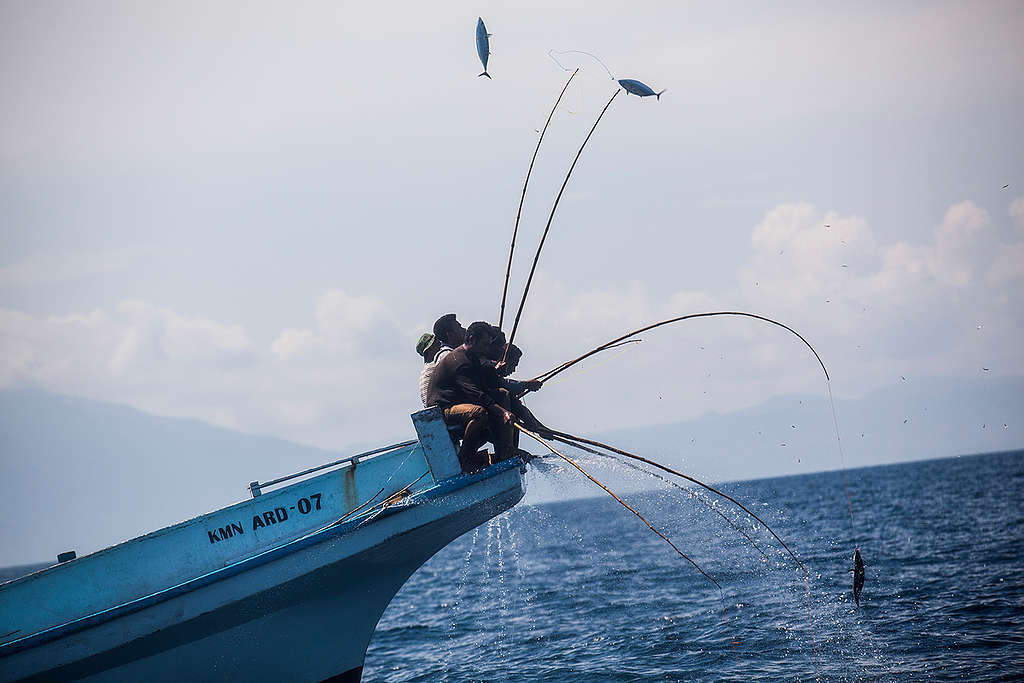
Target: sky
x=247, y=213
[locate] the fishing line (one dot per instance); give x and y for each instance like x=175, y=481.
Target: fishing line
x=828, y=384
x=858, y=561
x=682, y=488
x=842, y=459
x=372, y=498
x=552, y=53
x=536, y=258
x=384, y=503
x=621, y=502
x=650, y=526
x=627, y=454
x=393, y=498
x=634, y=456
x=519, y=211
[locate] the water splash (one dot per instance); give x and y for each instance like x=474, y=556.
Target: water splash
x=453, y=613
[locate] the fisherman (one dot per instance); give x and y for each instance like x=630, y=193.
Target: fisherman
x=427, y=346
x=459, y=385
x=497, y=348
x=516, y=389
x=450, y=331
x=505, y=364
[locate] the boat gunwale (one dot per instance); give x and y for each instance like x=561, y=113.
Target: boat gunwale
x=288, y=547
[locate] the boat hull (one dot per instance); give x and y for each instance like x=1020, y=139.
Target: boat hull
x=305, y=615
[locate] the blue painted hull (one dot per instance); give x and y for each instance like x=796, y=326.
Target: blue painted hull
x=202, y=600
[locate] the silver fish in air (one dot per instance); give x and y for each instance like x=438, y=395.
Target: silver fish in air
x=637, y=88
x=858, y=575
x=483, y=45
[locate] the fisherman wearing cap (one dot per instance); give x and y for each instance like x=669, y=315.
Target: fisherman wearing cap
x=448, y=333
x=430, y=348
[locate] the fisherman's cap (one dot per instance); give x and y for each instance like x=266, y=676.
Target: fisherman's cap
x=426, y=339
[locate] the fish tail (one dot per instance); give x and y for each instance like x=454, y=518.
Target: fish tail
x=657, y=95
x=484, y=74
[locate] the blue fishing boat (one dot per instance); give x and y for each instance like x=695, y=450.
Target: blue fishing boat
x=288, y=585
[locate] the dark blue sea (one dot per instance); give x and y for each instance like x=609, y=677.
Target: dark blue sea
x=583, y=591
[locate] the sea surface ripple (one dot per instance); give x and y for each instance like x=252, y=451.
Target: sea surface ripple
x=582, y=590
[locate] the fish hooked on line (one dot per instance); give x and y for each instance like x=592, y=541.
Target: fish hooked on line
x=544, y=435
x=858, y=575
x=544, y=377
x=635, y=87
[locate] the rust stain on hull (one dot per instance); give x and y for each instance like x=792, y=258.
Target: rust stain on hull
x=350, y=490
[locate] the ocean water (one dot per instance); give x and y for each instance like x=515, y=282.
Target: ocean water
x=583, y=591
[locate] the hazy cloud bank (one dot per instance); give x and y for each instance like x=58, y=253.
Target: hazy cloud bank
x=877, y=310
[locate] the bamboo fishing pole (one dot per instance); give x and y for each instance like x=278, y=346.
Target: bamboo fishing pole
x=536, y=257
x=519, y=211
x=604, y=348
x=828, y=384
x=544, y=377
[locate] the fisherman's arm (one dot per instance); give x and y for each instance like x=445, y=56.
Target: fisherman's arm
x=520, y=387
x=472, y=391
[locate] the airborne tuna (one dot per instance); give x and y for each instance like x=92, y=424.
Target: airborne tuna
x=637, y=88
x=483, y=45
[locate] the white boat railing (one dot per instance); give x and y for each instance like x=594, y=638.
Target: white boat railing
x=256, y=488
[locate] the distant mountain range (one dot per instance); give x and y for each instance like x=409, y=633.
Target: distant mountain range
x=796, y=434
x=80, y=474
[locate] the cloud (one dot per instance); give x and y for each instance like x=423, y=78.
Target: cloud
x=1017, y=213
x=874, y=310
x=138, y=353
x=1008, y=265
x=338, y=382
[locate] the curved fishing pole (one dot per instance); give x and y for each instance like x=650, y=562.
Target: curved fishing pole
x=519, y=211
x=544, y=377
x=621, y=502
x=828, y=384
x=606, y=348
x=682, y=488
x=536, y=258
x=807, y=583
